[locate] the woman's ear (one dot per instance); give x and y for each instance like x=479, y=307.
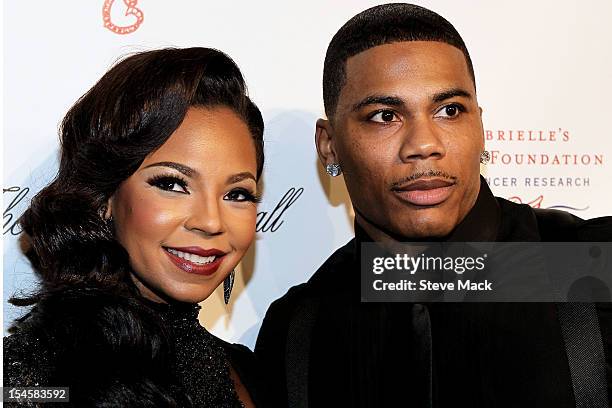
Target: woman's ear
x=107, y=212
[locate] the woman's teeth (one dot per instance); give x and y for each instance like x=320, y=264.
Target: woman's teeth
x=196, y=259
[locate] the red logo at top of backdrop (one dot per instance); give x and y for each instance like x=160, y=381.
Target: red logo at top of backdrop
x=132, y=10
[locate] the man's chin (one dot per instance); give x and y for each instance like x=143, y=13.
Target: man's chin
x=422, y=230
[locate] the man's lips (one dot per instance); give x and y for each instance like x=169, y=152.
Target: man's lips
x=425, y=192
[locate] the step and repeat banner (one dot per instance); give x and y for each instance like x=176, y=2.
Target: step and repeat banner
x=544, y=79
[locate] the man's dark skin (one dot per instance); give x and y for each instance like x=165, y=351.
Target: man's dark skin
x=407, y=108
x=407, y=132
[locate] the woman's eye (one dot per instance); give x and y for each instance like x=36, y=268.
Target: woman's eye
x=450, y=111
x=384, y=116
x=240, y=195
x=169, y=184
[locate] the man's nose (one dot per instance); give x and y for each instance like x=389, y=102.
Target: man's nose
x=206, y=217
x=422, y=140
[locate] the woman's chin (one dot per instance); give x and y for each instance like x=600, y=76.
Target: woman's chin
x=196, y=295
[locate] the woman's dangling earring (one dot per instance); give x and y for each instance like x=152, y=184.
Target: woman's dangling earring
x=228, y=284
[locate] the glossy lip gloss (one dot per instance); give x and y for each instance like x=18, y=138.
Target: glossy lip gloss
x=192, y=267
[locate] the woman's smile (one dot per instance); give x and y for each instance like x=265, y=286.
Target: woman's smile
x=195, y=259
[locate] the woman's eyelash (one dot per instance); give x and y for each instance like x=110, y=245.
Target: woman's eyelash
x=165, y=182
x=248, y=196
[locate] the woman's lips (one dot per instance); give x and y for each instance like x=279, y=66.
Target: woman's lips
x=425, y=192
x=196, y=268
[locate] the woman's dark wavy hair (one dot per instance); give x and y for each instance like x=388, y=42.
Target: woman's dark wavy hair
x=105, y=136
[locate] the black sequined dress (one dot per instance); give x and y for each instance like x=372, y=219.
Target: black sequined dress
x=116, y=352
x=201, y=358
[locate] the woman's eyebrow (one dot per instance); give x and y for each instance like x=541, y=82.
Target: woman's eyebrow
x=235, y=178
x=186, y=170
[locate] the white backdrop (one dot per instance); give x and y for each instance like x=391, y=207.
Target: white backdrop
x=544, y=77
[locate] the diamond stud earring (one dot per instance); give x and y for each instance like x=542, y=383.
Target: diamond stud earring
x=333, y=169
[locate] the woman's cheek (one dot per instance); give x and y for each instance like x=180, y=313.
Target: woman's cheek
x=149, y=219
x=242, y=227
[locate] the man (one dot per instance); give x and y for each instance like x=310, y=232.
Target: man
x=405, y=129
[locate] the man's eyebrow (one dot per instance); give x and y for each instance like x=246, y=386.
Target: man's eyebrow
x=235, y=178
x=378, y=100
x=450, y=93
x=186, y=170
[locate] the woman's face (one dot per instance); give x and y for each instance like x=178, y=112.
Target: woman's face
x=187, y=215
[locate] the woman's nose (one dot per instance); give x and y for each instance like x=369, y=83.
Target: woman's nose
x=206, y=217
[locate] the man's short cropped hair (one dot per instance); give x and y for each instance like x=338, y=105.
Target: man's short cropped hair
x=384, y=24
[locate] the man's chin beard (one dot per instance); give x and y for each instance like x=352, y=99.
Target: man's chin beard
x=395, y=234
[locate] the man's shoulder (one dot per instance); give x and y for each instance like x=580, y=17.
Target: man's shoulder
x=596, y=229
x=320, y=282
x=292, y=316
x=558, y=225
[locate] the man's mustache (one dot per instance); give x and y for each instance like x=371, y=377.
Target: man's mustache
x=421, y=174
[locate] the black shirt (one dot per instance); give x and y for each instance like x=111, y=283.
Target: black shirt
x=482, y=354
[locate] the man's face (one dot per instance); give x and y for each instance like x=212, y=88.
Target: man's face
x=408, y=135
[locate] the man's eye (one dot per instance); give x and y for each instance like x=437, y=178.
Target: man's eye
x=384, y=116
x=450, y=111
x=169, y=183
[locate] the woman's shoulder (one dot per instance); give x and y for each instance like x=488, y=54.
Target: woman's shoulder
x=36, y=339
x=242, y=359
x=237, y=350
x=104, y=346
x=75, y=310
x=27, y=360
x=60, y=325
x=247, y=366
x=76, y=317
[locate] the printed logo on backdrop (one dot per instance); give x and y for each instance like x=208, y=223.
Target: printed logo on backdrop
x=131, y=10
x=537, y=203
x=536, y=152
x=269, y=221
x=15, y=197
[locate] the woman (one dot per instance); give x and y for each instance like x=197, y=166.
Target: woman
x=153, y=207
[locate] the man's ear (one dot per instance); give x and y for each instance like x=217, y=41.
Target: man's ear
x=482, y=127
x=325, y=143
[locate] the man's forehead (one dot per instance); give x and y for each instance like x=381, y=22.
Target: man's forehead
x=406, y=65
x=407, y=47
